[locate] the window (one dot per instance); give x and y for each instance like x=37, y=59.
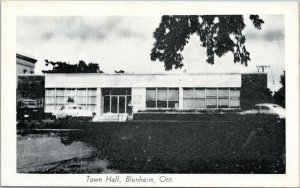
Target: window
x=91, y=99
x=188, y=98
x=264, y=108
x=151, y=98
x=55, y=98
x=50, y=99
x=81, y=96
x=211, y=98
x=199, y=98
x=162, y=97
x=234, y=97
x=193, y=98
x=223, y=98
x=173, y=96
x=60, y=96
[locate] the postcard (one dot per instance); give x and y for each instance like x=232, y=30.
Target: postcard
x=149, y=94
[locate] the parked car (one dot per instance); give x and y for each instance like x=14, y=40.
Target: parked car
x=266, y=108
x=73, y=112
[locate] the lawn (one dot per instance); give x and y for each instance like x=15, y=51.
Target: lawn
x=246, y=145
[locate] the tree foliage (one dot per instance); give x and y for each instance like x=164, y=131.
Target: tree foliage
x=219, y=34
x=30, y=87
x=279, y=96
x=63, y=67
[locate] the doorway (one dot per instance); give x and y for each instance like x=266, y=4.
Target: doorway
x=116, y=100
x=118, y=104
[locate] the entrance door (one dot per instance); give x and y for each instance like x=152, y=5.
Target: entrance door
x=122, y=104
x=114, y=104
x=118, y=104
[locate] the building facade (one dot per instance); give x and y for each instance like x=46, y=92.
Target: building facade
x=115, y=95
x=25, y=65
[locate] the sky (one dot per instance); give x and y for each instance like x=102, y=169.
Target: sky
x=125, y=42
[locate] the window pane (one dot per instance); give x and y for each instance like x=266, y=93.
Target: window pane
x=118, y=91
x=199, y=93
x=81, y=92
x=211, y=103
x=234, y=102
x=150, y=104
x=173, y=94
x=106, y=104
x=223, y=103
x=60, y=100
x=264, y=108
x=211, y=92
x=223, y=92
x=81, y=100
x=128, y=91
x=92, y=92
x=234, y=93
x=50, y=92
x=49, y=100
x=91, y=100
x=162, y=98
x=188, y=93
x=172, y=104
x=161, y=94
x=161, y=104
x=188, y=103
x=150, y=94
x=199, y=103
x=60, y=92
x=105, y=91
x=71, y=92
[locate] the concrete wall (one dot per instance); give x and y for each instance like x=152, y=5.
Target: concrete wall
x=141, y=80
x=254, y=90
x=25, y=65
x=138, y=99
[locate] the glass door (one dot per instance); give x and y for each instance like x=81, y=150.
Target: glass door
x=122, y=104
x=114, y=104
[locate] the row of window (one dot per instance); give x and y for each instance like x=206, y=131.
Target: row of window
x=55, y=98
x=162, y=97
x=193, y=98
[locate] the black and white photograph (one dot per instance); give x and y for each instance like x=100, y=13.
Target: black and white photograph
x=150, y=94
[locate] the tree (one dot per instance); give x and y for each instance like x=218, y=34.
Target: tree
x=279, y=96
x=219, y=34
x=32, y=87
x=120, y=71
x=63, y=67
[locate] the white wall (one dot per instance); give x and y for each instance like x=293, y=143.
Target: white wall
x=138, y=96
x=141, y=80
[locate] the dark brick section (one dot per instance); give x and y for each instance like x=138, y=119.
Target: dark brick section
x=254, y=90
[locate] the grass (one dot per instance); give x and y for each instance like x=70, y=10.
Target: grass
x=252, y=144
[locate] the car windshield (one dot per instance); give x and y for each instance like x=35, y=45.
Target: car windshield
x=256, y=107
x=264, y=108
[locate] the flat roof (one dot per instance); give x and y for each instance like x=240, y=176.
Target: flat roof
x=26, y=58
x=179, y=74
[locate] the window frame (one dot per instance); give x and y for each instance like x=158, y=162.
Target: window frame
x=168, y=99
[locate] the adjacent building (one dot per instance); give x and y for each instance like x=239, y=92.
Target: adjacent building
x=25, y=65
x=111, y=96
